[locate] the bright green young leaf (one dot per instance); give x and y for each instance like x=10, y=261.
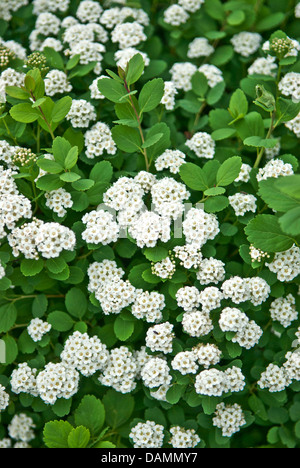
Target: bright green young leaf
x=151, y=95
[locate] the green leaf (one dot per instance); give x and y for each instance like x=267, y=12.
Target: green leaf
x=76, y=302
x=49, y=166
x=61, y=148
x=56, y=265
x=60, y=321
x=265, y=233
x=152, y=140
x=11, y=349
x=162, y=144
x=214, y=95
x=16, y=92
x=54, y=59
x=118, y=408
x=39, y=305
x=290, y=222
x=236, y=17
x=24, y=113
x=229, y=171
x=216, y=204
x=62, y=407
x=223, y=133
x=287, y=110
x=199, y=84
x=123, y=329
x=126, y=138
x=270, y=21
x=56, y=433
x=259, y=142
x=79, y=437
x=83, y=184
x=90, y=414
x=155, y=254
x=290, y=185
x=275, y=198
x=69, y=177
x=31, y=267
x=102, y=172
x=8, y=316
x=49, y=182
x=151, y=95
x=194, y=177
x=258, y=407
x=71, y=158
x=238, y=106
x=111, y=89
x=134, y=69
x=61, y=109
x=214, y=191
x=175, y=393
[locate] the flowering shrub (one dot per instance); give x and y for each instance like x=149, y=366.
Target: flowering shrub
x=149, y=224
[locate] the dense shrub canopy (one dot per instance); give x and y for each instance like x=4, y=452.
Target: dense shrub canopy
x=149, y=224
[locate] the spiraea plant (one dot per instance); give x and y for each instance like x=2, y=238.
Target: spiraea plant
x=149, y=224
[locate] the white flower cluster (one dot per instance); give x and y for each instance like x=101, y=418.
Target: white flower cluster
x=185, y=362
x=263, y=66
x=147, y=435
x=211, y=271
x=37, y=328
x=37, y=237
x=160, y=337
x=257, y=254
x=23, y=380
x=246, y=43
x=239, y=290
x=188, y=298
x=100, y=228
x=242, y=203
x=190, y=255
x=95, y=92
x=57, y=381
x=274, y=378
x=272, y=153
x=200, y=47
x=148, y=228
x=120, y=370
x=286, y=264
x=207, y=354
x=170, y=159
x=2, y=271
x=284, y=310
x=292, y=52
x=210, y=298
x=82, y=112
x=56, y=82
x=58, y=201
x=214, y=382
x=47, y=24
x=248, y=333
x=175, y=15
x=99, y=139
x=191, y=5
x=11, y=77
x=197, y=323
x=183, y=438
x=289, y=85
x=85, y=354
x=199, y=227
x=7, y=8
x=275, y=168
x=168, y=99
x=244, y=175
x=125, y=196
x=202, y=144
x=164, y=269
x=4, y=398
x=181, y=74
x=114, y=295
x=128, y=34
x=297, y=10
x=294, y=125
x=229, y=418
x=13, y=205
x=213, y=74
x=156, y=373
x=21, y=428
x=40, y=6
x=89, y=11
x=148, y=306
x=168, y=197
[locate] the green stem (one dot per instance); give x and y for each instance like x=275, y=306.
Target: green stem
x=44, y=117
x=262, y=151
x=204, y=104
x=9, y=132
x=144, y=152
